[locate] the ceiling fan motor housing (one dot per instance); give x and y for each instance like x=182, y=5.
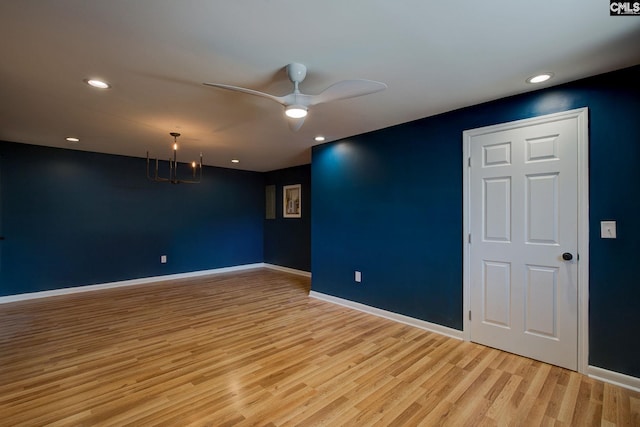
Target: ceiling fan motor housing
x=297, y=72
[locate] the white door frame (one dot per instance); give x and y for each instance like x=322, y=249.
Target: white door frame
x=582, y=115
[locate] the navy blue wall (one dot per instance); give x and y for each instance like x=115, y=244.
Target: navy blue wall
x=73, y=218
x=389, y=203
x=287, y=241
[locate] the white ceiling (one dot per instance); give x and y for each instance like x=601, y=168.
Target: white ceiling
x=435, y=56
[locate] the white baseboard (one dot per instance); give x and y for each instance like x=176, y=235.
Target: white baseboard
x=615, y=378
x=133, y=282
x=411, y=321
x=288, y=270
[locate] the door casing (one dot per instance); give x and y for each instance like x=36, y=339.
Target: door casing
x=582, y=115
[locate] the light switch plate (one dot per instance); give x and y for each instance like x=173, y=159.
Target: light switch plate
x=358, y=277
x=608, y=229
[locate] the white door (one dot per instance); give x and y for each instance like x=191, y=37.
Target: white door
x=523, y=238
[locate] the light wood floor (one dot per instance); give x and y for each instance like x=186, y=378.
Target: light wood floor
x=253, y=349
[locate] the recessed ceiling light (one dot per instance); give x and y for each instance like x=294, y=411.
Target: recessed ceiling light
x=72, y=139
x=319, y=138
x=97, y=83
x=235, y=161
x=540, y=78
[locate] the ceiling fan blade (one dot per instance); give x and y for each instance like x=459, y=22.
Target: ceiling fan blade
x=295, y=124
x=347, y=89
x=278, y=99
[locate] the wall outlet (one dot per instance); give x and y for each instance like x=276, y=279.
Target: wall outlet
x=163, y=259
x=358, y=277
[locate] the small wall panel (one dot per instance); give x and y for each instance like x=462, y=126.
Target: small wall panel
x=270, y=201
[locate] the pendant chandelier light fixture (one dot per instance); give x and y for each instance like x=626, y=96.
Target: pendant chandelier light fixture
x=173, y=167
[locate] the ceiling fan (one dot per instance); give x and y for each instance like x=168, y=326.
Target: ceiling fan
x=296, y=103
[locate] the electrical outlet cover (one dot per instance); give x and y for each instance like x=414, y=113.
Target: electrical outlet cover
x=608, y=229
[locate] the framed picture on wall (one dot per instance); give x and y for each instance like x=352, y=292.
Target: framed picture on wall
x=292, y=201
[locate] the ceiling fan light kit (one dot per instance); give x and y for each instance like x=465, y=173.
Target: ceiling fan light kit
x=173, y=167
x=295, y=111
x=296, y=104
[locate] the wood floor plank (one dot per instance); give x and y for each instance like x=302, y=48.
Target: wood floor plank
x=252, y=349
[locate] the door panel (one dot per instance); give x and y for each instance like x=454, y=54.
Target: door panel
x=497, y=204
x=541, y=199
x=541, y=304
x=497, y=293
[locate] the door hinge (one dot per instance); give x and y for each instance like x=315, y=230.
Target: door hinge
x=469, y=162
x=469, y=314
x=469, y=238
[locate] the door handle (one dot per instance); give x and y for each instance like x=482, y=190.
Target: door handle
x=567, y=256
